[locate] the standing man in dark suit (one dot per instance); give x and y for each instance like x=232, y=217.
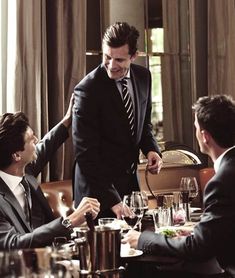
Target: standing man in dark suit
x=26, y=220
x=213, y=236
x=106, y=146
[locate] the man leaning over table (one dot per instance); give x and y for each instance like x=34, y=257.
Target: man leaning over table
x=21, y=155
x=214, y=235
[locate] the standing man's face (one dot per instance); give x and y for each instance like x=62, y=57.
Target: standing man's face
x=117, y=61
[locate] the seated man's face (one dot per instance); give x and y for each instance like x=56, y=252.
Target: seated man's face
x=117, y=61
x=29, y=153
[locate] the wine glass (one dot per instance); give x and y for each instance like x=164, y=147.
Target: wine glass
x=189, y=191
x=189, y=184
x=132, y=209
x=145, y=200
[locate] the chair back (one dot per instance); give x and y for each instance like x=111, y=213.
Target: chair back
x=205, y=174
x=59, y=196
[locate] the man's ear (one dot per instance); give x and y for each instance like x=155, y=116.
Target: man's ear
x=16, y=156
x=133, y=57
x=205, y=136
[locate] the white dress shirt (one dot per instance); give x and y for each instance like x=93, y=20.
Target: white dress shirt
x=218, y=160
x=13, y=182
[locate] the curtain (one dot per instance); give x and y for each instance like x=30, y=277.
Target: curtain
x=221, y=45
x=49, y=59
x=176, y=73
x=66, y=64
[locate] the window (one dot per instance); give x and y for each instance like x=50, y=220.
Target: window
x=156, y=48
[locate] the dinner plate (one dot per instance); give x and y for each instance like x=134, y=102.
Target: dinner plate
x=136, y=253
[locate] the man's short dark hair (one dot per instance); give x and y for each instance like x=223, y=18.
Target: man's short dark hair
x=216, y=114
x=121, y=33
x=12, y=130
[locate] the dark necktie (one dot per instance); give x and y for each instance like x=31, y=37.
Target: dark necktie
x=27, y=199
x=128, y=104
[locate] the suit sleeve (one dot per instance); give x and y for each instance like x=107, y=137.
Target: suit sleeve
x=212, y=235
x=91, y=173
x=148, y=142
x=40, y=237
x=46, y=147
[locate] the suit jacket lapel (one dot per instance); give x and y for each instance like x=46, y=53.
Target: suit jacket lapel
x=16, y=208
x=137, y=102
x=39, y=195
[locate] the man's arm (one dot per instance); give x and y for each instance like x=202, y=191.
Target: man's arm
x=50, y=143
x=13, y=236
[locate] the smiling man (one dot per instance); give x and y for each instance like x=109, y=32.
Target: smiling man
x=112, y=122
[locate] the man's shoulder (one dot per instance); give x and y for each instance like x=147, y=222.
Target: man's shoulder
x=140, y=71
x=139, y=68
x=92, y=79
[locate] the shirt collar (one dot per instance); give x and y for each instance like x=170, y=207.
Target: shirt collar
x=128, y=75
x=11, y=181
x=218, y=160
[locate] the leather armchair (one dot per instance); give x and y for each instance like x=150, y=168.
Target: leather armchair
x=59, y=196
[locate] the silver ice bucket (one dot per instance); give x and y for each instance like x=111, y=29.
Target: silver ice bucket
x=99, y=250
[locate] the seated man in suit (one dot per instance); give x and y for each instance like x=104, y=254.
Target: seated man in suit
x=213, y=236
x=26, y=220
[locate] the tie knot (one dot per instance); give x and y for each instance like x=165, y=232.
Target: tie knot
x=124, y=81
x=25, y=185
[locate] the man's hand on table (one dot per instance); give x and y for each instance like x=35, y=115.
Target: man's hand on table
x=132, y=238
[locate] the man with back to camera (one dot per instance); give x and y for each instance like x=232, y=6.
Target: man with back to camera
x=108, y=128
x=29, y=222
x=213, y=236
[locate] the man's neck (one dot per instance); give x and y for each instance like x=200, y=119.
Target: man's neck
x=15, y=171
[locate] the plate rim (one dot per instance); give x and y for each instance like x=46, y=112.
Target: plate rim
x=136, y=254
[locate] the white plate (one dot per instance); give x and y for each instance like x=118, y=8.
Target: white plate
x=134, y=254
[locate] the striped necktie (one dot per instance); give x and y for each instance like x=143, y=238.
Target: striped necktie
x=27, y=199
x=128, y=104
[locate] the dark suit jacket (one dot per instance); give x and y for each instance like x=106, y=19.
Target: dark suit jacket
x=103, y=144
x=214, y=235
x=15, y=232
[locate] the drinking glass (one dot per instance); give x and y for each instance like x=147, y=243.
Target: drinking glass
x=189, y=184
x=145, y=200
x=133, y=209
x=189, y=191
x=12, y=264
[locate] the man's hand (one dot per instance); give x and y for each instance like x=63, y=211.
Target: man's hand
x=86, y=205
x=154, y=162
x=132, y=238
x=117, y=209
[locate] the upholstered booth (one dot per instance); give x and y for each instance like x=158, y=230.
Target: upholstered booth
x=59, y=196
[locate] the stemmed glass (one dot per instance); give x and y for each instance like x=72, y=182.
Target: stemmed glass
x=189, y=184
x=145, y=200
x=133, y=209
x=189, y=190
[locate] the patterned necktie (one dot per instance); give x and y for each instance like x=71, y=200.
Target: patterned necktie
x=27, y=199
x=128, y=104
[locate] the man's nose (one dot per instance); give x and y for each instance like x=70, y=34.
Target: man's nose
x=112, y=63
